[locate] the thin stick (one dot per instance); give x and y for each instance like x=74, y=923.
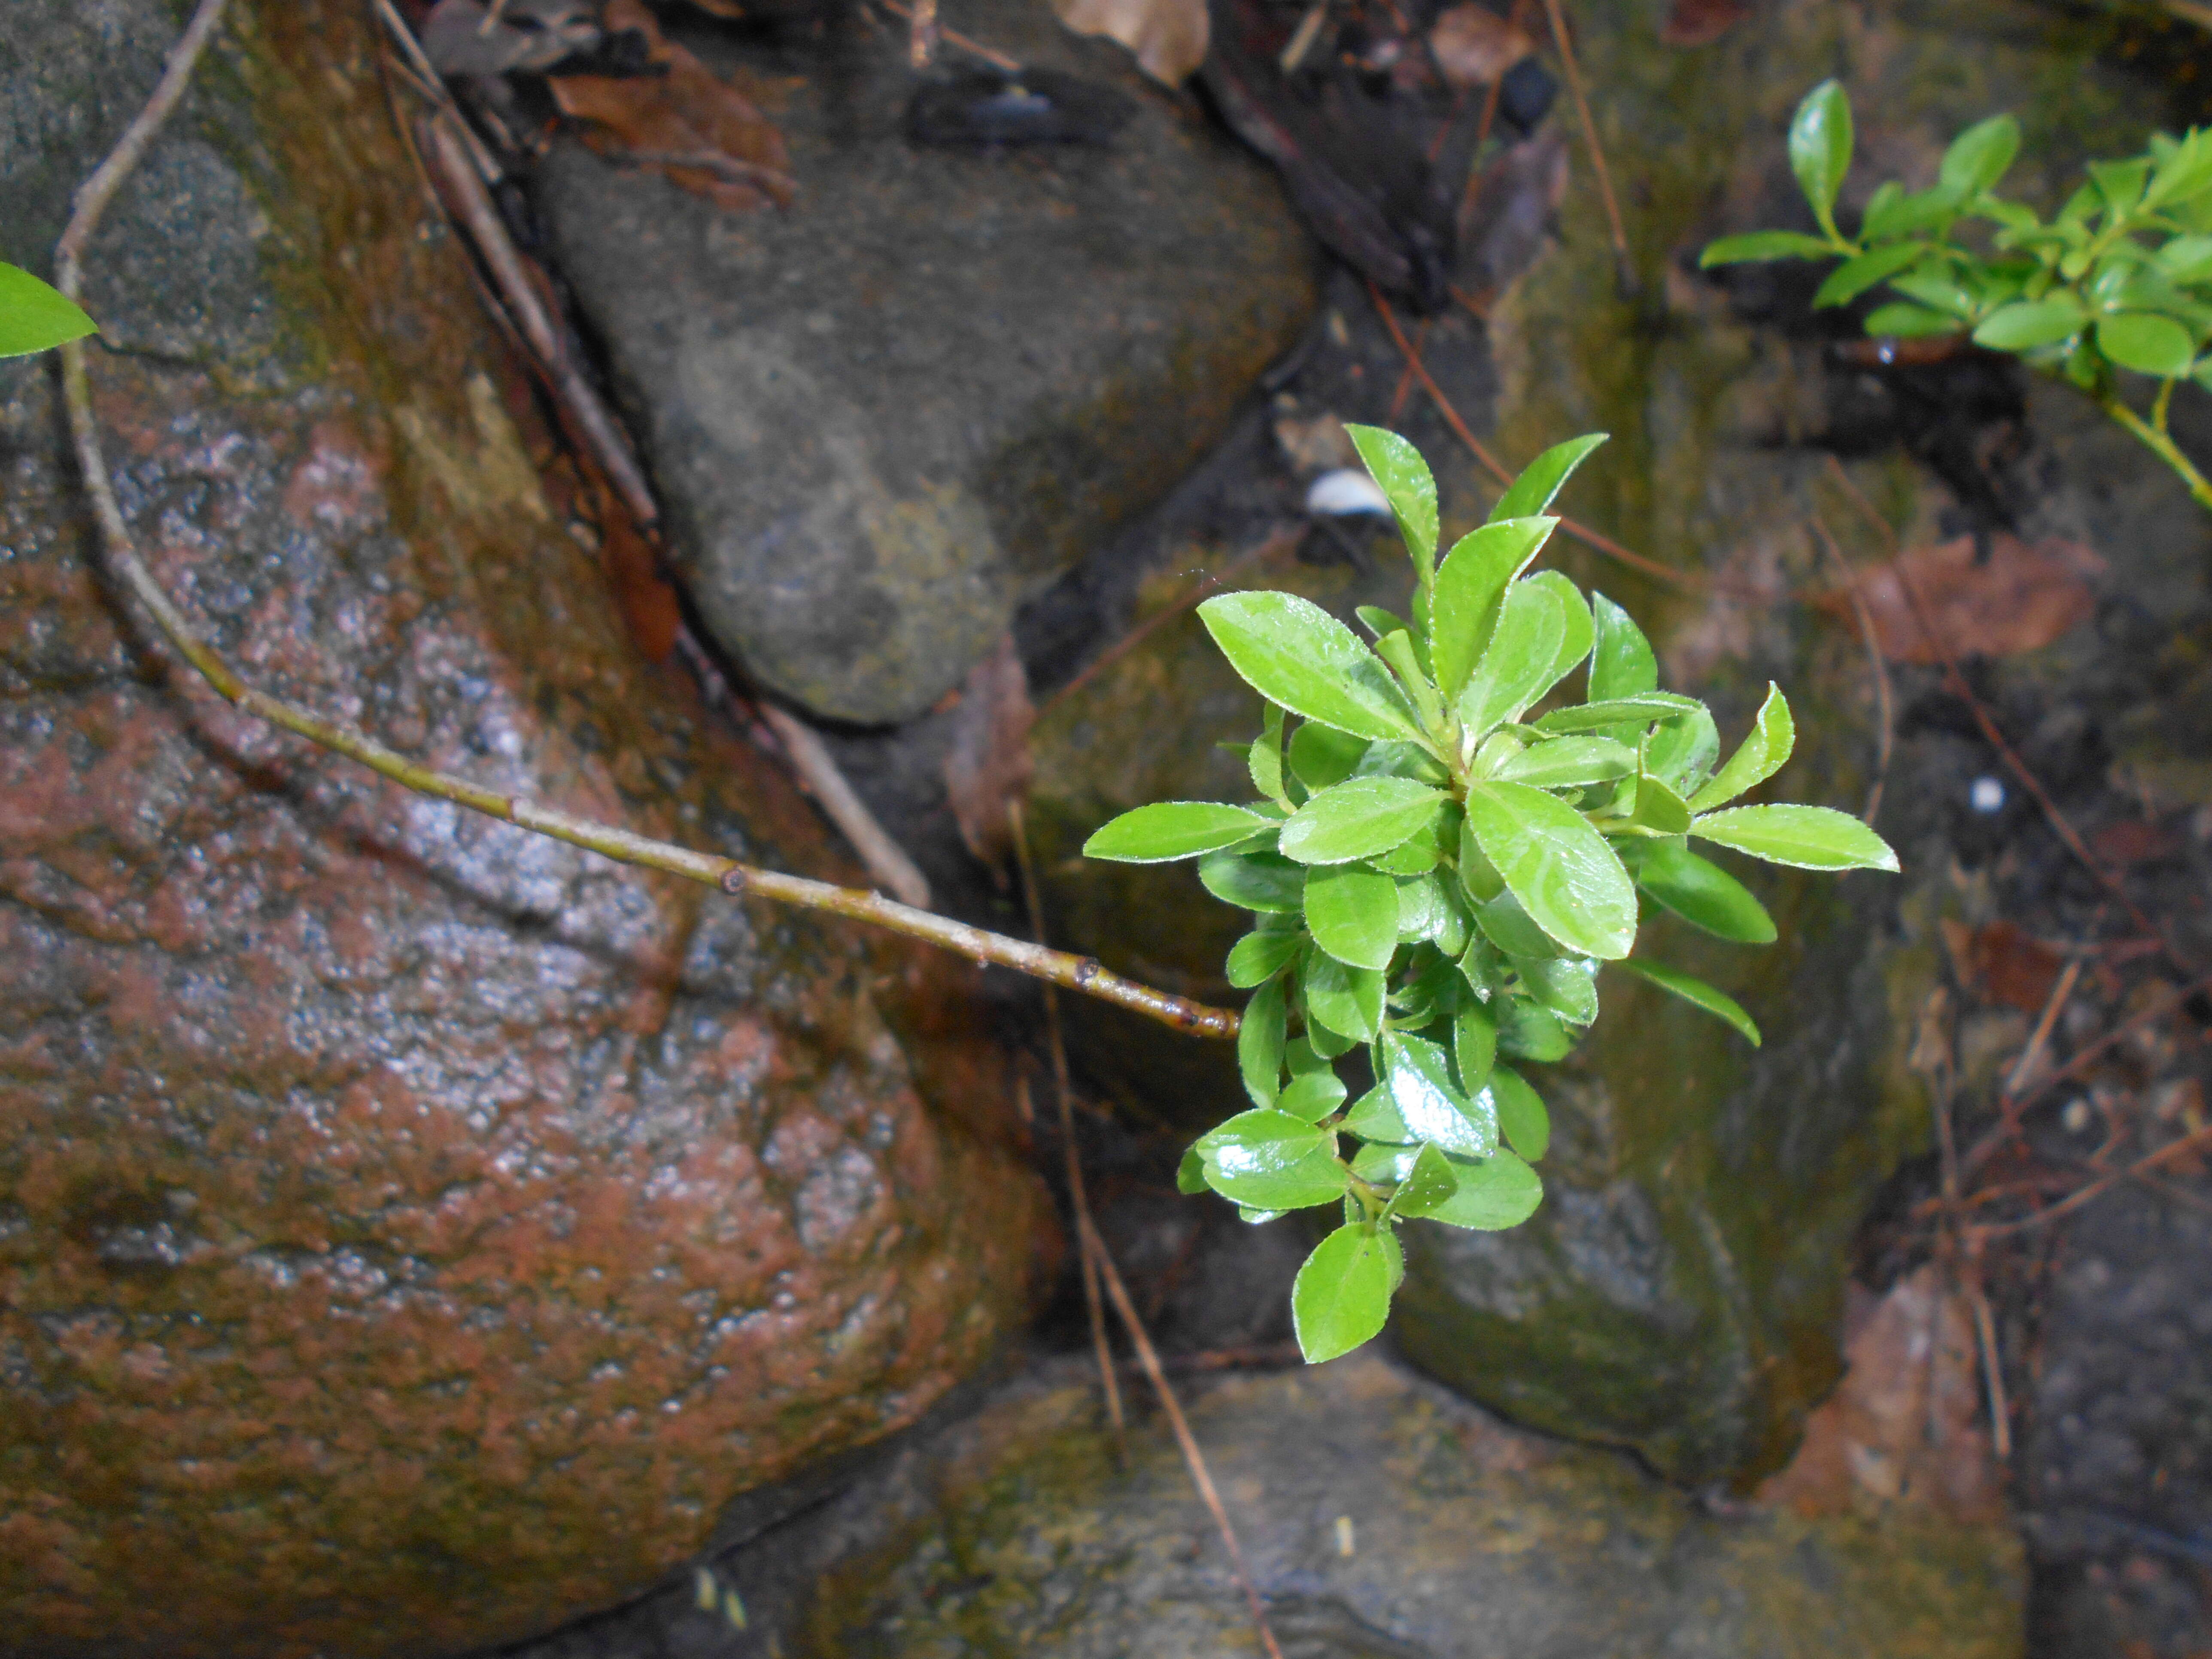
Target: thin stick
x=1885, y=737
x=2142, y=1166
x=954, y=38
x=1625, y=267
x=1588, y=537
x=1080, y=973
x=921, y=34
x=818, y=769
x=1078, y=1198
x=1150, y=1359
x=1278, y=541
x=1985, y=1330
x=2041, y=1036
x=2060, y=824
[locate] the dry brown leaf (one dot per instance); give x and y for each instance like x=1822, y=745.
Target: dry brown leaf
x=1904, y=1427
x=2020, y=598
x=698, y=130
x=1169, y=36
x=1700, y=22
x=2003, y=963
x=1474, y=46
x=988, y=766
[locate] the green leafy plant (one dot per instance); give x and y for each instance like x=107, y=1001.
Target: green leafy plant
x=34, y=317
x=2118, y=281
x=1435, y=872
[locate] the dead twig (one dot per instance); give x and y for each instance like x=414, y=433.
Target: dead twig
x=2142, y=1166
x=1956, y=678
x=1885, y=737
x=1078, y=1199
x=1625, y=267
x=1194, y=1459
x=954, y=38
x=1278, y=541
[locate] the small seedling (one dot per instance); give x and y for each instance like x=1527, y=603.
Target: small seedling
x=2118, y=283
x=1435, y=872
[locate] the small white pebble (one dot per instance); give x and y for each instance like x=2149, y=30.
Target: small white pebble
x=2076, y=1117
x=1344, y=1544
x=1346, y=493
x=1986, y=795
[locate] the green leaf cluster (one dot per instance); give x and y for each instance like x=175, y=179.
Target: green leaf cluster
x=1443, y=847
x=2119, y=279
x=34, y=317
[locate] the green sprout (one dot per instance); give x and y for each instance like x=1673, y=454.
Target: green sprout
x=2120, y=280
x=1435, y=872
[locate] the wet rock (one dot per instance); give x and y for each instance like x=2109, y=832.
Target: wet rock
x=884, y=418
x=412, y=1233
x=1383, y=1519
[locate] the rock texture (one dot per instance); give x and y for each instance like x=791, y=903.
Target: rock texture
x=1383, y=1519
x=412, y=1233
x=884, y=417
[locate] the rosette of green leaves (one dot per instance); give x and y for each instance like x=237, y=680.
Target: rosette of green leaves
x=1438, y=855
x=2120, y=278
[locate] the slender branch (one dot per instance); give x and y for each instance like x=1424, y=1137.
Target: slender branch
x=1078, y=973
x=2160, y=445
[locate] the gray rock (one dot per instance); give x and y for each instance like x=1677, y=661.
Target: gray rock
x=882, y=419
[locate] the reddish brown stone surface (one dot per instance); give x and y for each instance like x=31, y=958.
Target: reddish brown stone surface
x=412, y=1233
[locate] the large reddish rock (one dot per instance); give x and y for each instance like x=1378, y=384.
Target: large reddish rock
x=412, y=1233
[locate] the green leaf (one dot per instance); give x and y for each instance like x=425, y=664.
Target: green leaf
x=1171, y=830
x=1264, y=761
x=1474, y=1046
x=1644, y=708
x=1682, y=751
x=1352, y=914
x=1702, y=894
x=1421, y=912
x=1345, y=1001
x=1528, y=1030
x=1312, y=1097
x=1270, y=1160
x=1292, y=651
x=1512, y=930
x=1499, y=1193
x=1264, y=882
x=2184, y=171
x=2187, y=260
x=1581, y=630
x=1763, y=245
x=1516, y=669
x=1378, y=620
x=1478, y=876
x=2121, y=183
x=1891, y=213
x=1757, y=758
x=2148, y=343
x=1621, y=662
x=1397, y=649
x=1980, y=155
x=1259, y=1043
x=1374, y=1116
x=1258, y=958
x=1808, y=837
x=1542, y=478
x=1568, y=880
x=1425, y=1186
x=1908, y=322
x=1358, y=818
x=1659, y=810
x=1419, y=1077
x=1566, y=762
x=1856, y=276
x=1397, y=467
x=1321, y=755
x=1383, y=1166
x=1341, y=1297
x=1564, y=986
x=2026, y=323
x=1821, y=148
x=1190, y=1173
x=35, y=317
x=1415, y=856
x=1697, y=993
x=1470, y=586
x=1521, y=1118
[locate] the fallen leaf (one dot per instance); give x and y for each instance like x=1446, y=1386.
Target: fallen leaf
x=1700, y=22
x=1169, y=36
x=1315, y=443
x=461, y=36
x=1474, y=46
x=2003, y=963
x=2133, y=842
x=987, y=765
x=1904, y=1427
x=684, y=121
x=2022, y=597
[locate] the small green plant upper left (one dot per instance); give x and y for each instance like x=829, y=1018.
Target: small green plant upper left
x=35, y=317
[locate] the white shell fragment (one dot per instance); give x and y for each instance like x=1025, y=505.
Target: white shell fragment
x=1346, y=493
